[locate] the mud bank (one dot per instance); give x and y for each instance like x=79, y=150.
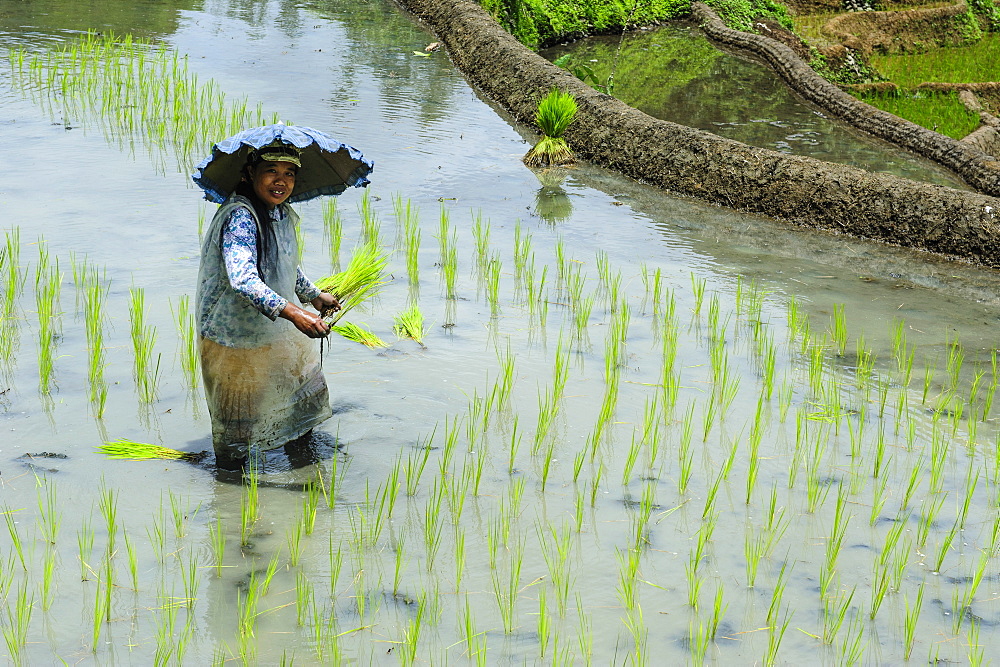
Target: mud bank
x=702, y=165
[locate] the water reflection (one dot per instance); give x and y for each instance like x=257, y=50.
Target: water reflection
x=33, y=23
x=552, y=203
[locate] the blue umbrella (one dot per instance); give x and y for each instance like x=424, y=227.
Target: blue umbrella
x=328, y=166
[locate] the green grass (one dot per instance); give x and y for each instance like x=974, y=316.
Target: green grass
x=941, y=112
x=977, y=62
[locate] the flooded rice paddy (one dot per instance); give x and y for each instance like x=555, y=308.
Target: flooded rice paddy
x=640, y=426
x=675, y=73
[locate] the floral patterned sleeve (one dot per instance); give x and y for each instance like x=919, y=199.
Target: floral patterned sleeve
x=239, y=251
x=304, y=288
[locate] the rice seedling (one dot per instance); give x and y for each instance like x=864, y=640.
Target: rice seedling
x=359, y=334
x=187, y=333
x=698, y=640
x=493, y=269
x=15, y=632
x=910, y=619
x=411, y=637
x=49, y=517
x=189, y=578
x=945, y=547
x=685, y=456
x=249, y=505
x=217, y=540
x=595, y=484
x=522, y=250
x=834, y=615
x=47, y=284
x=456, y=492
x=506, y=591
x=758, y=545
x=555, y=113
x=481, y=240
x=85, y=544
x=293, y=538
x=410, y=324
x=145, y=373
x=139, y=92
x=333, y=230
x=98, y=616
x=371, y=226
x=413, y=469
x=628, y=570
x=928, y=380
x=433, y=527
x=777, y=595
x=514, y=444
x=124, y=448
x=956, y=357
x=449, y=268
x=547, y=463
x=13, y=286
x=360, y=281
x=412, y=238
x=48, y=572
x=108, y=506
x=336, y=557
x=775, y=635
x=95, y=296
x=694, y=580
x=698, y=290
x=976, y=651
x=631, y=458
x=107, y=578
x=928, y=513
x=133, y=560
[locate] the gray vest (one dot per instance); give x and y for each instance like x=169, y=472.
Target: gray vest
x=226, y=316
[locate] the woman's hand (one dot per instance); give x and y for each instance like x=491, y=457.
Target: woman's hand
x=326, y=302
x=308, y=323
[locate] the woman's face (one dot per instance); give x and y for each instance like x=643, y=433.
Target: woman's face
x=273, y=182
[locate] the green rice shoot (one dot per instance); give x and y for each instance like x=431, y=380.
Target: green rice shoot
x=359, y=282
x=940, y=112
x=359, y=334
x=130, y=449
x=410, y=324
x=974, y=63
x=555, y=112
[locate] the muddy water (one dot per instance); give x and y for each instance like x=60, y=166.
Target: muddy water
x=351, y=69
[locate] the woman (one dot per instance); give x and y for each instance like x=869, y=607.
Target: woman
x=262, y=376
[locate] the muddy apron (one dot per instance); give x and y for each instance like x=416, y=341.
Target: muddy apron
x=263, y=380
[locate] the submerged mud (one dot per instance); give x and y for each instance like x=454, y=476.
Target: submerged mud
x=699, y=164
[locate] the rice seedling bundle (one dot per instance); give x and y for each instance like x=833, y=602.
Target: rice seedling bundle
x=360, y=281
x=555, y=112
x=359, y=334
x=410, y=324
x=130, y=449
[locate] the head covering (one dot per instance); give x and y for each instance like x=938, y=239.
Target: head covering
x=277, y=151
x=328, y=166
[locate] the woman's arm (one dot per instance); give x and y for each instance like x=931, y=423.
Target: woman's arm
x=239, y=252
